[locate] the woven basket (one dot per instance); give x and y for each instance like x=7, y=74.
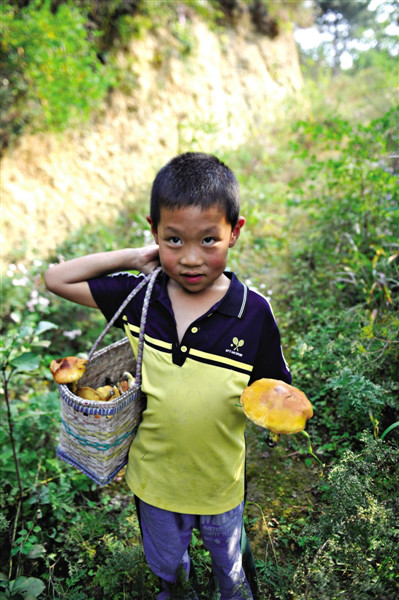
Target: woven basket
x=95, y=436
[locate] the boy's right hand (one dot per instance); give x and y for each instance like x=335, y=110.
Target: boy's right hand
x=69, y=279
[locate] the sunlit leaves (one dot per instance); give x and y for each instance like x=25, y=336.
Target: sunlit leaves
x=52, y=77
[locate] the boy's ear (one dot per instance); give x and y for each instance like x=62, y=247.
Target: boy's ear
x=235, y=234
x=153, y=228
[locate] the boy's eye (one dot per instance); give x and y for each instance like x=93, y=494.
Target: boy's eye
x=208, y=241
x=174, y=240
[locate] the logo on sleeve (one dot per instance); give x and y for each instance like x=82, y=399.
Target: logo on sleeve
x=236, y=344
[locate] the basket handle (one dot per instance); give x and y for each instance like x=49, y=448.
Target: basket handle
x=150, y=280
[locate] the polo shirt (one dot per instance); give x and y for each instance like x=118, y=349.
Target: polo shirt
x=189, y=452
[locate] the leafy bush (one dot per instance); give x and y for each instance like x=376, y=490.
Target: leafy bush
x=51, y=76
x=351, y=543
x=329, y=363
x=341, y=286
x=350, y=195
x=125, y=572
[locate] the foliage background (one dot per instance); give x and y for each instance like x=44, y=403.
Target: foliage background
x=320, y=240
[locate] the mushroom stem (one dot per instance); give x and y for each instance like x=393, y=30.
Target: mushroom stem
x=310, y=449
x=275, y=437
x=388, y=429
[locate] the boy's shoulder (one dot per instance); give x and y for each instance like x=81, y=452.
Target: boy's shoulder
x=250, y=294
x=246, y=303
x=110, y=291
x=122, y=279
x=119, y=284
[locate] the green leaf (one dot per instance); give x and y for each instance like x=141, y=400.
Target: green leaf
x=39, y=345
x=19, y=585
x=44, y=326
x=37, y=551
x=26, y=362
x=34, y=587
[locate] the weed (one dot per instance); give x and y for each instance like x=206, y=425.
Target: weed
x=351, y=544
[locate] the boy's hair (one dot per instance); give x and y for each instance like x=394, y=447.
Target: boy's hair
x=195, y=179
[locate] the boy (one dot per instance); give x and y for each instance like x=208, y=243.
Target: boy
x=207, y=337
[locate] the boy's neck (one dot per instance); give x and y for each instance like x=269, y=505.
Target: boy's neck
x=189, y=306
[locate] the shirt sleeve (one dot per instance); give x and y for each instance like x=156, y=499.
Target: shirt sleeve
x=270, y=362
x=110, y=291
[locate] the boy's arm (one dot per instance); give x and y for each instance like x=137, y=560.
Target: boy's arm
x=69, y=279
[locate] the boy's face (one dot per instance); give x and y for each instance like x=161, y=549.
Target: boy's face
x=193, y=245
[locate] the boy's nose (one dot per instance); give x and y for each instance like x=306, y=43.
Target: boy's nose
x=191, y=257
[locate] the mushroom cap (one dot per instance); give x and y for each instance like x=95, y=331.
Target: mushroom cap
x=276, y=405
x=88, y=393
x=107, y=392
x=68, y=369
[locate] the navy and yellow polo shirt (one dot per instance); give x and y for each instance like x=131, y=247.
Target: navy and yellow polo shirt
x=189, y=452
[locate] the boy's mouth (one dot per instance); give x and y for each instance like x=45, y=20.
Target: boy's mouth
x=192, y=277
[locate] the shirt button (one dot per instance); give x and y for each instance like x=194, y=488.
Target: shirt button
x=194, y=329
x=183, y=348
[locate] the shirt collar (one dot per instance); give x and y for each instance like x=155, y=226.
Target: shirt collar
x=232, y=304
x=235, y=300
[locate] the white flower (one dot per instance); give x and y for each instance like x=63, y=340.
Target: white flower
x=21, y=267
x=30, y=305
x=147, y=236
x=20, y=282
x=35, y=299
x=72, y=334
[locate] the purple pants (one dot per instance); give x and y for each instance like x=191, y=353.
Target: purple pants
x=167, y=536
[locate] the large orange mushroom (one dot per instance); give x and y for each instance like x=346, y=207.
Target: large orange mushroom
x=277, y=406
x=68, y=370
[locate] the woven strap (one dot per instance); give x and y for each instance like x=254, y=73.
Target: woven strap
x=150, y=280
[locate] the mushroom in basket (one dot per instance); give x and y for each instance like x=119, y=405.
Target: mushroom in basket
x=68, y=370
x=277, y=406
